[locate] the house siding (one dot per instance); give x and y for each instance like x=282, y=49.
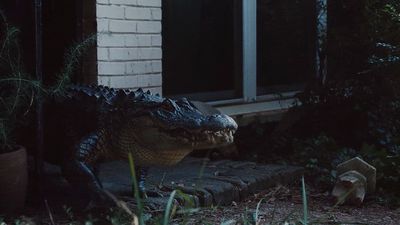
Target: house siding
x=129, y=43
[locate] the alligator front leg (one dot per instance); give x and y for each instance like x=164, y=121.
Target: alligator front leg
x=141, y=180
x=78, y=167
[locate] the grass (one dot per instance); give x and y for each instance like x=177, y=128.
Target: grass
x=252, y=215
x=136, y=189
x=171, y=208
x=172, y=214
x=305, y=205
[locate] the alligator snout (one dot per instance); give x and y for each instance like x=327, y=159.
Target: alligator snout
x=219, y=122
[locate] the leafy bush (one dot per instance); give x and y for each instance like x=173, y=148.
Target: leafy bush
x=19, y=90
x=357, y=111
x=344, y=119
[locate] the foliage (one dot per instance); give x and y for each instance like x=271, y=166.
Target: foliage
x=363, y=36
x=19, y=90
x=356, y=112
x=344, y=119
x=72, y=59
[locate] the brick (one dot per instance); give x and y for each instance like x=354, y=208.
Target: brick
x=149, y=68
x=113, y=12
x=111, y=40
x=144, y=40
x=102, y=25
x=156, y=66
x=156, y=40
x=153, y=3
x=131, y=40
x=123, y=54
x=149, y=27
x=156, y=14
x=102, y=1
x=124, y=81
x=102, y=54
x=149, y=80
x=103, y=80
x=156, y=53
x=137, y=40
x=124, y=2
x=138, y=13
x=150, y=53
x=120, y=26
x=128, y=82
x=111, y=68
x=129, y=44
x=156, y=80
x=136, y=67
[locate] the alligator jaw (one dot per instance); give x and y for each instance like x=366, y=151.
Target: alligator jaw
x=205, y=138
x=215, y=139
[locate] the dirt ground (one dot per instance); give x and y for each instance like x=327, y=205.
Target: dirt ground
x=282, y=205
x=279, y=205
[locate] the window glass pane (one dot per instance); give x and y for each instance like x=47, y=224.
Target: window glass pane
x=286, y=34
x=200, y=48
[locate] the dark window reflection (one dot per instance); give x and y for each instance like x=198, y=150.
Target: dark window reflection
x=286, y=34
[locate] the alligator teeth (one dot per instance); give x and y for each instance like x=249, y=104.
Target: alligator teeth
x=213, y=139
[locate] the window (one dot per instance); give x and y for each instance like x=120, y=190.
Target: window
x=237, y=50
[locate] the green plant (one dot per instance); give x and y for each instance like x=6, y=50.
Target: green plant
x=19, y=90
x=305, y=205
x=136, y=189
x=363, y=36
x=257, y=212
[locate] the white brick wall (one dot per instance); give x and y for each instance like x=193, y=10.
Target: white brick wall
x=129, y=44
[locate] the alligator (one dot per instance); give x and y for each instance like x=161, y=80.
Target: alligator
x=90, y=124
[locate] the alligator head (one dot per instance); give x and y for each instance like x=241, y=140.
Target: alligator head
x=164, y=124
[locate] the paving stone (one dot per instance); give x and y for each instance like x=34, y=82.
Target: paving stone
x=209, y=183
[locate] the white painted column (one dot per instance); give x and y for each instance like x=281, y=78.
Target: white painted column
x=249, y=50
x=321, y=59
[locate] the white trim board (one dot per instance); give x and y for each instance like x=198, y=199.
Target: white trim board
x=258, y=107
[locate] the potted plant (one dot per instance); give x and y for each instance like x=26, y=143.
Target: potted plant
x=17, y=93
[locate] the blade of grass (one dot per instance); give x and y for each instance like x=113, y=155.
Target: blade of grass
x=304, y=194
x=169, y=207
x=136, y=189
x=257, y=212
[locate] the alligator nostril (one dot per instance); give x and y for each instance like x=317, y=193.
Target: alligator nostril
x=220, y=121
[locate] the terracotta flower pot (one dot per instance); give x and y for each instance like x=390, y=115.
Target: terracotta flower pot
x=13, y=180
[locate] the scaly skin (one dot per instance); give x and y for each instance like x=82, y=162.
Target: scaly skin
x=93, y=123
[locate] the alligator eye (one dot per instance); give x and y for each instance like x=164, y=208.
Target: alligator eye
x=167, y=106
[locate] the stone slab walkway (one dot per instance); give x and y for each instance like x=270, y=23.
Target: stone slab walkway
x=207, y=182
